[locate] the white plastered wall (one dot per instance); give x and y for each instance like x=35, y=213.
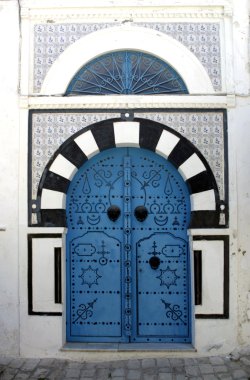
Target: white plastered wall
x=9, y=145
x=239, y=121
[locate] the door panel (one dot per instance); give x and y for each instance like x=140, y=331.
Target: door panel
x=96, y=283
x=160, y=246
x=162, y=293
x=94, y=252
x=127, y=250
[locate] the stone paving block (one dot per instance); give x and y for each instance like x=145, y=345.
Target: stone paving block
x=224, y=376
x=91, y=365
x=133, y=374
x=102, y=365
x=176, y=362
x=192, y=370
x=55, y=374
x=165, y=370
x=148, y=363
x=234, y=364
x=16, y=363
x=245, y=361
x=203, y=360
x=30, y=364
x=178, y=369
x=118, y=364
x=181, y=377
x=88, y=372
x=150, y=371
x=220, y=368
x=190, y=361
x=76, y=365
x=162, y=362
x=147, y=376
x=40, y=372
x=209, y=377
x=240, y=374
x=60, y=363
x=46, y=362
x=9, y=374
x=133, y=364
x=118, y=372
x=103, y=373
x=88, y=378
x=73, y=373
x=5, y=360
x=216, y=360
x=22, y=376
x=7, y=377
x=165, y=376
x=206, y=369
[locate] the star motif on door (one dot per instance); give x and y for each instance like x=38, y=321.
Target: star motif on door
x=168, y=277
x=90, y=276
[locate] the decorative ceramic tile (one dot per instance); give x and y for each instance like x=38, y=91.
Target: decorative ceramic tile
x=50, y=130
x=202, y=39
x=204, y=129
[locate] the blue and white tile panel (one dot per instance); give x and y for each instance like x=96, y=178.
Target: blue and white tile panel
x=138, y=133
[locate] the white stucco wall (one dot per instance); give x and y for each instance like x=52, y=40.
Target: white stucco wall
x=239, y=119
x=239, y=133
x=9, y=150
x=47, y=337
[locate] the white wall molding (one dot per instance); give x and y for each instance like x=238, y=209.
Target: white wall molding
x=124, y=14
x=55, y=10
x=128, y=101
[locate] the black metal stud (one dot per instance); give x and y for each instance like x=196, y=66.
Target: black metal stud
x=113, y=212
x=141, y=213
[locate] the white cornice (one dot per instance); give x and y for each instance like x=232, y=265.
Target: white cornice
x=125, y=15
x=55, y=11
x=128, y=102
x=44, y=4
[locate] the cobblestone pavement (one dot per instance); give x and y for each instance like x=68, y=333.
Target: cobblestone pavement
x=207, y=368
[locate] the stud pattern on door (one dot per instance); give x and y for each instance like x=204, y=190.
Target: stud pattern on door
x=127, y=250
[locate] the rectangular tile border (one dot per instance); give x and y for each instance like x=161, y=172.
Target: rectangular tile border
x=30, y=274
x=225, y=314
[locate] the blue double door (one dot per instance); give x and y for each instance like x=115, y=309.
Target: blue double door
x=128, y=272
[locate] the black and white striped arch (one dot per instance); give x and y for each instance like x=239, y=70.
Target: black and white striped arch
x=139, y=133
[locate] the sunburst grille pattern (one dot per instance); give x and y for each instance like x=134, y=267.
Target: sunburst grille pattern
x=126, y=72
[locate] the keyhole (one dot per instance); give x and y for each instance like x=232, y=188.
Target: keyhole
x=113, y=212
x=141, y=213
x=154, y=262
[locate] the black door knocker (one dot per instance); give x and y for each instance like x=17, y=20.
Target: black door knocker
x=154, y=262
x=141, y=213
x=113, y=212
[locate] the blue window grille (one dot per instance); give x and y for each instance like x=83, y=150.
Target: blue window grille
x=126, y=72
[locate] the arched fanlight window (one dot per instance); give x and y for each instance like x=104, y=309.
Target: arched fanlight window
x=126, y=72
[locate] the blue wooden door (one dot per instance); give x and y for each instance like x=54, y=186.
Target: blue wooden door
x=128, y=275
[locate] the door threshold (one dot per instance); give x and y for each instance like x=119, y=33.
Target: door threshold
x=118, y=347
